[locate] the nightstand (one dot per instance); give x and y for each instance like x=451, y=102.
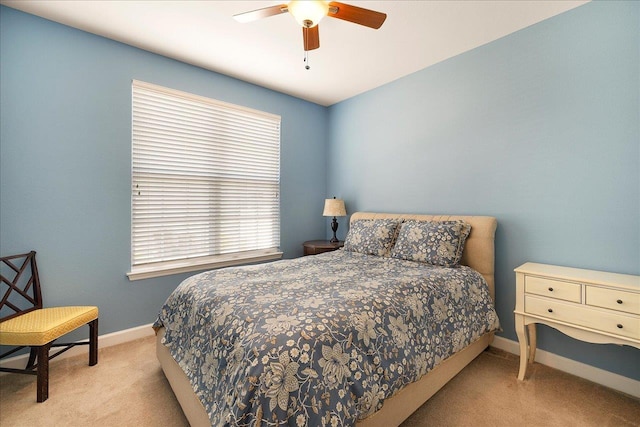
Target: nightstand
x=314, y=247
x=592, y=306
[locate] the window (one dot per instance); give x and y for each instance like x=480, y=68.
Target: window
x=205, y=181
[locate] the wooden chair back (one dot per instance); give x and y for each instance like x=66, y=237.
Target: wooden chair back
x=20, y=285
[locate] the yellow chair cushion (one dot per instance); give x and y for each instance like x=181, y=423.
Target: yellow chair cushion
x=41, y=326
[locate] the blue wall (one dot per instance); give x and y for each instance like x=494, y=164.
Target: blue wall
x=65, y=160
x=539, y=129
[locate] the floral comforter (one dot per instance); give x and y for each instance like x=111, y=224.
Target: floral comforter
x=318, y=340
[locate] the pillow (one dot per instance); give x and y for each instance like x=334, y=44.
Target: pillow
x=371, y=236
x=434, y=242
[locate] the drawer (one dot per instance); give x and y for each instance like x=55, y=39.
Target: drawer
x=614, y=299
x=557, y=289
x=579, y=315
x=317, y=250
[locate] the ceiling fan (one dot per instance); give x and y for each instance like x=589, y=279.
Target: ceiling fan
x=308, y=13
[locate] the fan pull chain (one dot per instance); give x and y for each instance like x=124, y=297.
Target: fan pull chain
x=306, y=60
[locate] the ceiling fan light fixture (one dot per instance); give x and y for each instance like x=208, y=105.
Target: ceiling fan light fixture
x=308, y=13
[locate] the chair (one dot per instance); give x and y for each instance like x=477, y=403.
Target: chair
x=24, y=323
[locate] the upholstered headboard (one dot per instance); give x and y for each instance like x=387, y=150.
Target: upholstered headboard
x=479, y=250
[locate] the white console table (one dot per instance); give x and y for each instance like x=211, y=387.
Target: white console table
x=588, y=305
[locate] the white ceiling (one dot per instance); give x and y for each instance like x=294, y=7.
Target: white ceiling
x=351, y=59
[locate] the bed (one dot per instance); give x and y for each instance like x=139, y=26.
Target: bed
x=360, y=336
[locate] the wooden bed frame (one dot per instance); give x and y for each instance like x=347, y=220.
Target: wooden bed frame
x=478, y=254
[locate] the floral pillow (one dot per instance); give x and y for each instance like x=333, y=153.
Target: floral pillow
x=434, y=242
x=371, y=236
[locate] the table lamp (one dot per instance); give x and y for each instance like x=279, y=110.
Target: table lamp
x=334, y=207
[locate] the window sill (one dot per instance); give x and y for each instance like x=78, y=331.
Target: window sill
x=167, y=268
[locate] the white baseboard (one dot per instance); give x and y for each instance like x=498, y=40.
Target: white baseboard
x=588, y=372
x=107, y=340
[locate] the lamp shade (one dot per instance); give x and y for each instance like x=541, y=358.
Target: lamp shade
x=334, y=207
x=308, y=13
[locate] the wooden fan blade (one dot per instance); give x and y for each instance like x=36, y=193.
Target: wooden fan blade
x=266, y=12
x=357, y=15
x=311, y=38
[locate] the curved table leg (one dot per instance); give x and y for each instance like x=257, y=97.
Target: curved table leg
x=523, y=339
x=531, y=329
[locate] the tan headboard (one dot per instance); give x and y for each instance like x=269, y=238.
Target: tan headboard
x=479, y=250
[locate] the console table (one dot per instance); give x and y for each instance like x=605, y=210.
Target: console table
x=588, y=305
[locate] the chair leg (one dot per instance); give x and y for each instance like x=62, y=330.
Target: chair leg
x=33, y=354
x=93, y=342
x=43, y=372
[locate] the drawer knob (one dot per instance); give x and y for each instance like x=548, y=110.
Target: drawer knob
x=550, y=289
x=619, y=301
x=619, y=325
x=550, y=310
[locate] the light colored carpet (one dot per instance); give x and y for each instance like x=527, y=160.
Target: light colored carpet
x=127, y=388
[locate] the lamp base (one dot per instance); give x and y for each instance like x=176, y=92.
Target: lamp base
x=334, y=227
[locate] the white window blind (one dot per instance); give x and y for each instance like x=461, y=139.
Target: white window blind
x=205, y=178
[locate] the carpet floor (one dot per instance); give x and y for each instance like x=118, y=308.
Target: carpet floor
x=128, y=388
